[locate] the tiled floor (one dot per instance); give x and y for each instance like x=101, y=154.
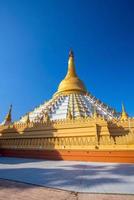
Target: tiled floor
x=71, y=175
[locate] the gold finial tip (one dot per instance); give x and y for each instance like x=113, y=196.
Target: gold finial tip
x=10, y=108
x=71, y=53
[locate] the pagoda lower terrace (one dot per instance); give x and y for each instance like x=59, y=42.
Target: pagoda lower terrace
x=73, y=125
x=84, y=139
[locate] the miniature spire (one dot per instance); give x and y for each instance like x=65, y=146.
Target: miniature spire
x=124, y=115
x=69, y=114
x=28, y=119
x=123, y=108
x=8, y=118
x=46, y=117
x=71, y=66
x=95, y=115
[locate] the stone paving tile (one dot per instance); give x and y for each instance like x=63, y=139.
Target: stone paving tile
x=104, y=197
x=19, y=191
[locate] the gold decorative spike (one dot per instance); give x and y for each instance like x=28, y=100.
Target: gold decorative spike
x=42, y=119
x=124, y=115
x=71, y=83
x=95, y=115
x=28, y=119
x=8, y=118
x=46, y=117
x=69, y=114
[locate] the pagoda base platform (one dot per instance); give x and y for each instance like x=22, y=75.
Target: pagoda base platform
x=120, y=156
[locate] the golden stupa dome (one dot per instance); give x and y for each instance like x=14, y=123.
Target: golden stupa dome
x=71, y=83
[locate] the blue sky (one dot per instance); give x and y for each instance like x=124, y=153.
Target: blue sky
x=35, y=38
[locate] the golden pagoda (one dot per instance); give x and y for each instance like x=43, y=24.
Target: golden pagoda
x=72, y=125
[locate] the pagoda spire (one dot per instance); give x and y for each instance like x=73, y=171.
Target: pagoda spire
x=124, y=115
x=71, y=66
x=8, y=118
x=71, y=82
